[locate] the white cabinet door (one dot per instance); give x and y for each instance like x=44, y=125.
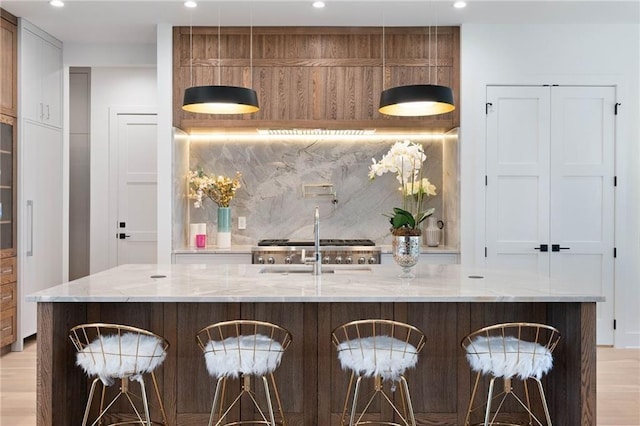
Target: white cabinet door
x=518, y=178
x=550, y=168
x=30, y=87
x=582, y=193
x=40, y=77
x=213, y=258
x=40, y=239
x=51, y=67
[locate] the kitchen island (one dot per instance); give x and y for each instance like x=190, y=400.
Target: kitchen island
x=445, y=301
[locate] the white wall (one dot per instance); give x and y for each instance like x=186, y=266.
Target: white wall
x=165, y=141
x=111, y=88
x=565, y=55
x=109, y=55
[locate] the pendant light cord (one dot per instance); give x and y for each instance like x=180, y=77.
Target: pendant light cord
x=191, y=48
x=429, y=41
x=219, y=49
x=383, y=57
x=436, y=18
x=251, y=51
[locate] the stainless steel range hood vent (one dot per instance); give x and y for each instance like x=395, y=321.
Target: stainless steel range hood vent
x=316, y=132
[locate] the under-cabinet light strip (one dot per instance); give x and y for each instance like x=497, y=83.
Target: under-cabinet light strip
x=254, y=137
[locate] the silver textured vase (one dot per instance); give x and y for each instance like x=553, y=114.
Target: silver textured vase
x=406, y=251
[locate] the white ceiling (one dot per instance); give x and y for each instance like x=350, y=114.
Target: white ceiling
x=120, y=21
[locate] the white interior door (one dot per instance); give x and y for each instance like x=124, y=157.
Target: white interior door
x=550, y=169
x=582, y=193
x=136, y=224
x=517, y=207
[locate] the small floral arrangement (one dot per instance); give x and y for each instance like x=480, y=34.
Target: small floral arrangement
x=405, y=159
x=220, y=190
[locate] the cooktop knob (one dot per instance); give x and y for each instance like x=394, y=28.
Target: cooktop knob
x=372, y=260
x=326, y=259
x=348, y=260
x=271, y=260
x=338, y=260
x=261, y=260
x=361, y=260
x=287, y=259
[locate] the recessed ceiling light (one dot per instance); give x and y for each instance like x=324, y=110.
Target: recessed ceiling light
x=190, y=4
x=460, y=4
x=56, y=3
x=318, y=4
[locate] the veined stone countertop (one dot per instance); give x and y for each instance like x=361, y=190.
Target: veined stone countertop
x=374, y=283
x=246, y=249
x=234, y=249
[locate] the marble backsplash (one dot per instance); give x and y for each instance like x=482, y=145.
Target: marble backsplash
x=273, y=175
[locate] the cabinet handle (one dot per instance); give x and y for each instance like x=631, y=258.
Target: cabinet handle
x=9, y=297
x=41, y=111
x=542, y=248
x=48, y=112
x=30, y=215
x=556, y=247
x=7, y=328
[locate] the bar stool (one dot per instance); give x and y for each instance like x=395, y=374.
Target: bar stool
x=241, y=349
x=384, y=350
x=113, y=352
x=511, y=351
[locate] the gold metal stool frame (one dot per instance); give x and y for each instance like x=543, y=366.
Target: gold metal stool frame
x=82, y=336
x=534, y=341
x=245, y=338
x=399, y=342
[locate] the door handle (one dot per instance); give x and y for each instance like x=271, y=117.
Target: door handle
x=122, y=236
x=542, y=248
x=556, y=247
x=30, y=215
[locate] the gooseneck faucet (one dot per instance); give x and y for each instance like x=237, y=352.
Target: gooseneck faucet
x=317, y=259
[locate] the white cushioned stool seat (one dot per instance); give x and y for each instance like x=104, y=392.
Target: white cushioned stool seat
x=382, y=350
x=508, y=357
x=251, y=354
x=117, y=356
x=114, y=352
x=382, y=356
x=241, y=349
x=513, y=351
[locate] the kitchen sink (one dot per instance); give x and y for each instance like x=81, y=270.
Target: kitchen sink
x=308, y=269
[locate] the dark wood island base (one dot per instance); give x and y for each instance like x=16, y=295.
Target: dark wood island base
x=310, y=381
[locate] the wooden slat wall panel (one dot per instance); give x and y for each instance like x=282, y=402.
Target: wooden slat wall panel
x=195, y=387
x=310, y=379
x=328, y=77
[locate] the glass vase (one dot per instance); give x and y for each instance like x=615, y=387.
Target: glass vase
x=223, y=239
x=406, y=252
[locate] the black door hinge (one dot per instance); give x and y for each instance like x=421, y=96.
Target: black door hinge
x=615, y=324
x=486, y=180
x=615, y=252
x=485, y=252
x=486, y=107
x=615, y=181
x=615, y=108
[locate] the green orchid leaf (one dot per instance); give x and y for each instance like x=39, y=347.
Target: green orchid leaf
x=422, y=216
x=402, y=218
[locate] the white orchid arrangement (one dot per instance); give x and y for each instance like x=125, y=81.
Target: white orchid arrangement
x=405, y=159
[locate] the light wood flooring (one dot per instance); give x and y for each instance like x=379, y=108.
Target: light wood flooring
x=618, y=385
